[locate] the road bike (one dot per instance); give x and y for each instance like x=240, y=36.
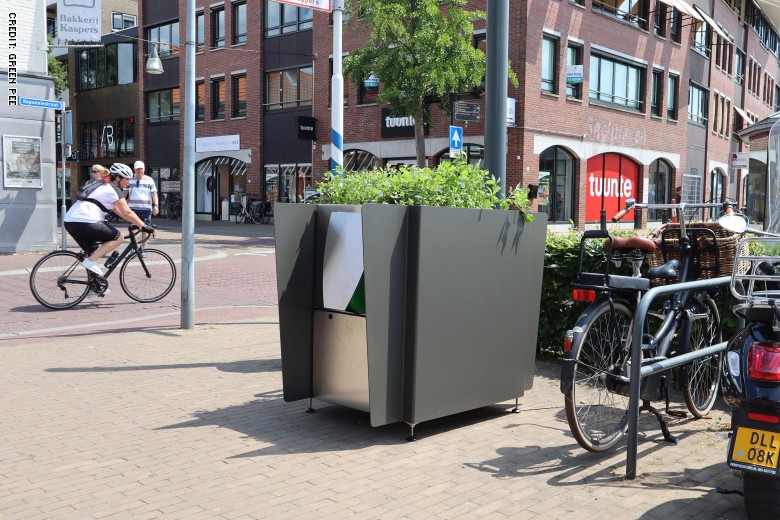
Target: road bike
x=59, y=281
x=596, y=361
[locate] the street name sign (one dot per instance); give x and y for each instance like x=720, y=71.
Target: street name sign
x=40, y=103
x=319, y=5
x=456, y=140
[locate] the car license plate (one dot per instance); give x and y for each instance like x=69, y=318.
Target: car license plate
x=757, y=448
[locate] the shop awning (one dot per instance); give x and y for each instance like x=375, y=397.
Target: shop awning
x=744, y=115
x=683, y=7
x=712, y=23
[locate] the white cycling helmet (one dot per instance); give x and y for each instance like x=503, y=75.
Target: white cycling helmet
x=121, y=170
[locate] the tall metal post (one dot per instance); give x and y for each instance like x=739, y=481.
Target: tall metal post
x=337, y=92
x=188, y=199
x=497, y=75
x=63, y=208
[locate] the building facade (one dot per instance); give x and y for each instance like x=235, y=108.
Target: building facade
x=28, y=195
x=651, y=113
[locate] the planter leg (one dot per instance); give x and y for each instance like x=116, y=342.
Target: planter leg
x=516, y=409
x=310, y=409
x=411, y=436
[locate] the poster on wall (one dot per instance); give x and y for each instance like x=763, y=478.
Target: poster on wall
x=22, y=162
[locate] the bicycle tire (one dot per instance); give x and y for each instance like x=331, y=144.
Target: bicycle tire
x=255, y=216
x=240, y=216
x=597, y=417
x=699, y=380
x=58, y=281
x=267, y=213
x=151, y=277
x=170, y=212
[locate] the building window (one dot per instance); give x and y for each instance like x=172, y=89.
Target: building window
x=672, y=94
x=200, y=101
x=659, y=189
x=616, y=82
x=218, y=27
x=656, y=95
x=360, y=160
x=51, y=27
x=239, y=96
x=701, y=40
x=675, y=23
x=633, y=11
x=112, y=138
x=659, y=18
x=574, y=57
x=166, y=37
x=200, y=37
x=286, y=18
x=368, y=95
x=163, y=105
x=120, y=21
x=288, y=88
x=239, y=23
x=739, y=67
x=114, y=64
x=697, y=105
x=549, y=65
x=716, y=187
x=218, y=99
x=556, y=181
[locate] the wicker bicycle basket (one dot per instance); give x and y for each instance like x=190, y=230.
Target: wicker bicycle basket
x=714, y=249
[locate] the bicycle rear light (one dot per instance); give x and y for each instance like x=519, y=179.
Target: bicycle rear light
x=764, y=362
x=763, y=417
x=567, y=340
x=584, y=295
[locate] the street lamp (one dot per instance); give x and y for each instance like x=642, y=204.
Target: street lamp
x=154, y=66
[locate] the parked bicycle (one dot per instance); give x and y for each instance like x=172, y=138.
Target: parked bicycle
x=173, y=210
x=59, y=281
x=596, y=364
x=257, y=211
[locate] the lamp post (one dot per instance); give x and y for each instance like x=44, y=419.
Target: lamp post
x=154, y=66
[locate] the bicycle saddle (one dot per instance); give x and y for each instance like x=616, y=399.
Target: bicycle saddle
x=667, y=271
x=645, y=244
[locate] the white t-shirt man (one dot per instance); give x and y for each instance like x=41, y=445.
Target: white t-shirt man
x=86, y=211
x=140, y=193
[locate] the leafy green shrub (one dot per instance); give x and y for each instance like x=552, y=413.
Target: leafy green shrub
x=454, y=184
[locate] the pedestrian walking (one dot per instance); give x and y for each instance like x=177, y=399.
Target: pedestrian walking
x=142, y=196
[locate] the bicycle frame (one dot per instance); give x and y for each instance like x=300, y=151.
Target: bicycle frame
x=132, y=247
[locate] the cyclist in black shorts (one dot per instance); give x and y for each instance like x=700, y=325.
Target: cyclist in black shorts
x=85, y=219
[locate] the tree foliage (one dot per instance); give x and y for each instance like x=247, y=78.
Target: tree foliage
x=57, y=71
x=419, y=49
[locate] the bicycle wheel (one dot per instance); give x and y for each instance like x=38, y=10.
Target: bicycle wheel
x=700, y=379
x=148, y=279
x=597, y=417
x=58, y=281
x=240, y=216
x=267, y=213
x=256, y=216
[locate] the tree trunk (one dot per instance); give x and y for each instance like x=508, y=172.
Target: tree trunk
x=419, y=133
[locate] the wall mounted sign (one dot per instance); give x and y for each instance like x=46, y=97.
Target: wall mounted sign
x=307, y=128
x=219, y=143
x=398, y=126
x=611, y=179
x=78, y=21
x=319, y=5
x=740, y=160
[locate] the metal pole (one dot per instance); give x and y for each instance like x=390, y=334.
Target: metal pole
x=188, y=199
x=63, y=208
x=497, y=75
x=337, y=92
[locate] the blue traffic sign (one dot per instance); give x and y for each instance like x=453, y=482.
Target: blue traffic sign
x=456, y=140
x=40, y=103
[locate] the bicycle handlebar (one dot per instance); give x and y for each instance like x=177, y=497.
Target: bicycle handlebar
x=727, y=206
x=135, y=230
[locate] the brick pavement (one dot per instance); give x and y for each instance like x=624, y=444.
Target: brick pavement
x=165, y=423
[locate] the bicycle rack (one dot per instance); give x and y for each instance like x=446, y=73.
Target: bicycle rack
x=638, y=371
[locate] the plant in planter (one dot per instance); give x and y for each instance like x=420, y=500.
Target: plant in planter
x=452, y=292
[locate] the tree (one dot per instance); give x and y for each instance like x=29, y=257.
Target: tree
x=57, y=71
x=419, y=49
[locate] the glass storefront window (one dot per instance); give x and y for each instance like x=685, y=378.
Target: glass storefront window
x=556, y=180
x=659, y=188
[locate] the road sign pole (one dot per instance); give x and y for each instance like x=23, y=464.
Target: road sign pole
x=63, y=208
x=496, y=79
x=337, y=89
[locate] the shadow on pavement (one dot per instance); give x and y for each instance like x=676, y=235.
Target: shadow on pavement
x=245, y=367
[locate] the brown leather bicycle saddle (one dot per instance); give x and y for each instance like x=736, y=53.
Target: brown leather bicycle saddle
x=645, y=244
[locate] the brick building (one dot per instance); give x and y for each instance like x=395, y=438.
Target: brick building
x=665, y=84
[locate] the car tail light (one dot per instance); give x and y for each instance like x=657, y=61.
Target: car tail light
x=764, y=362
x=567, y=340
x=763, y=417
x=584, y=295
